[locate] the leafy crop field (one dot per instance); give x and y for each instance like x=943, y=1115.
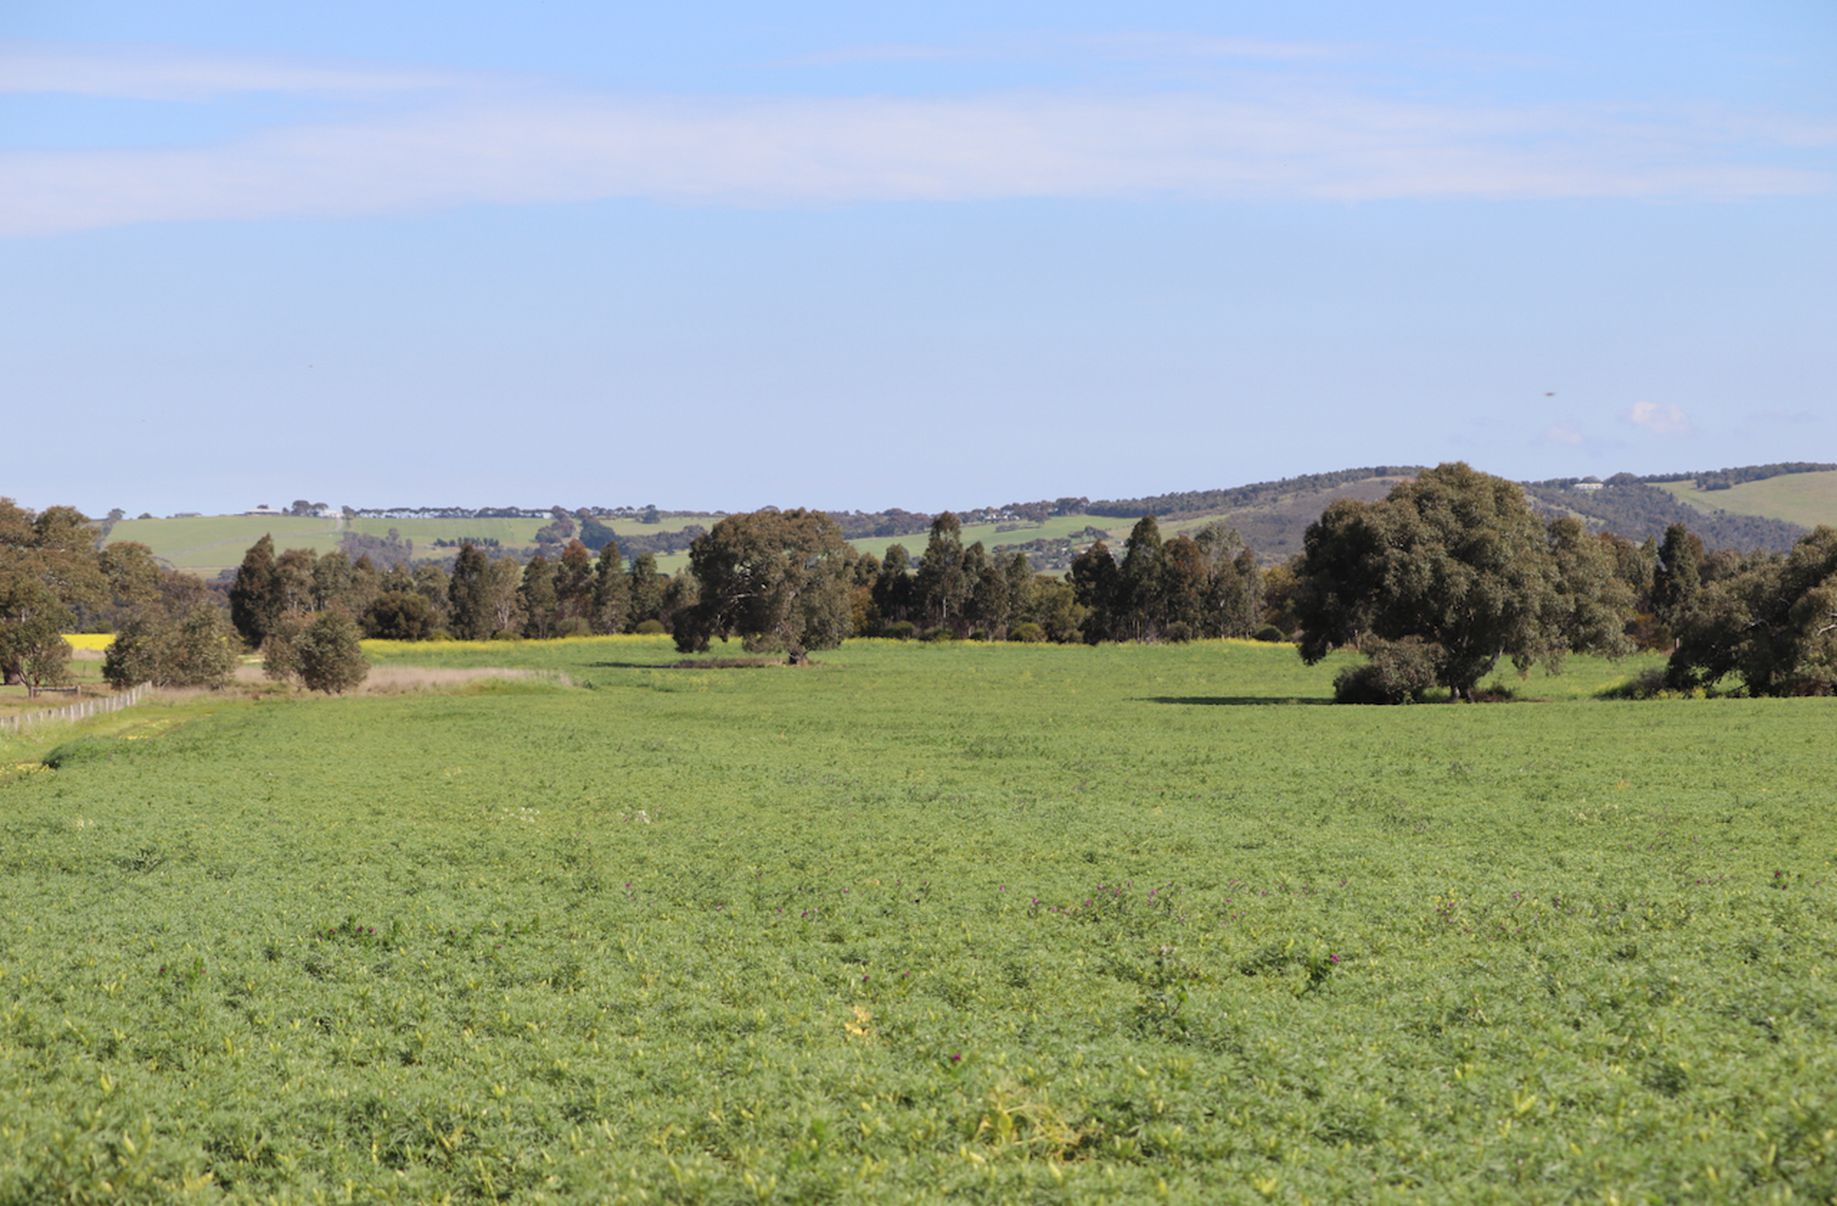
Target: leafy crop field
x=921, y=920
x=1807, y=499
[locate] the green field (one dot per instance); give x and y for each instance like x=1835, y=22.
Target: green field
x=1054, y=528
x=1807, y=499
x=1024, y=923
x=210, y=544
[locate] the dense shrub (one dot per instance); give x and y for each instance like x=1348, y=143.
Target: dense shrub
x=1179, y=632
x=332, y=655
x=1027, y=632
x=1396, y=672
x=400, y=615
x=196, y=650
x=1270, y=633
x=650, y=628
x=900, y=630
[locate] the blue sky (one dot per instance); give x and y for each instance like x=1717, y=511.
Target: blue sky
x=942, y=255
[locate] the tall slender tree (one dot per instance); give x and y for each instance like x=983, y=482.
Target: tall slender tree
x=255, y=600
x=469, y=595
x=611, y=590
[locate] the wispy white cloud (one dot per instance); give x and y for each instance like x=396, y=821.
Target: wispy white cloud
x=1658, y=418
x=1196, y=46
x=144, y=73
x=478, y=144
x=1148, y=46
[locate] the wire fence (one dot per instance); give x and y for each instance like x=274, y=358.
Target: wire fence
x=76, y=711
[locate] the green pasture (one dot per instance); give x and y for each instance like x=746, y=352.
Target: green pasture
x=1011, y=923
x=1807, y=499
x=1054, y=528
x=209, y=544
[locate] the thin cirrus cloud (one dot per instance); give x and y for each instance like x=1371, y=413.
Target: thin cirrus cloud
x=468, y=141
x=1151, y=46
x=142, y=73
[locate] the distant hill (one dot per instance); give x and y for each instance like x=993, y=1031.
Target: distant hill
x=1807, y=499
x=1637, y=510
x=1755, y=506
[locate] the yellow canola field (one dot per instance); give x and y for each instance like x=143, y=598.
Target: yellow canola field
x=94, y=641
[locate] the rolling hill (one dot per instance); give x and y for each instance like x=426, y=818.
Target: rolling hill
x=1806, y=499
x=1758, y=512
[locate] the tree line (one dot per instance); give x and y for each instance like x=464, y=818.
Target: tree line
x=169, y=628
x=1449, y=574
x=1453, y=572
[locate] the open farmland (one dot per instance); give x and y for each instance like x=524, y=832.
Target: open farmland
x=1035, y=922
x=209, y=544
x=1807, y=499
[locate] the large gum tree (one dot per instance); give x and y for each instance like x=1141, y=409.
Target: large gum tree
x=1454, y=557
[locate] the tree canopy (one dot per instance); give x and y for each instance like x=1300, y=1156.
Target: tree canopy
x=1456, y=559
x=1772, y=625
x=777, y=579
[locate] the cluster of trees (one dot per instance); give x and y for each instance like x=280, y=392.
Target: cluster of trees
x=53, y=580
x=788, y=581
x=1455, y=563
x=958, y=591
x=1453, y=571
x=1772, y=623
x=1205, y=585
x=275, y=597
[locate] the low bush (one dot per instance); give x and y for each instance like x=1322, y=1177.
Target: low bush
x=1028, y=633
x=1396, y=672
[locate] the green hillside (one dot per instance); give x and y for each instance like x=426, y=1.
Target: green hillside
x=1272, y=520
x=209, y=544
x=1807, y=499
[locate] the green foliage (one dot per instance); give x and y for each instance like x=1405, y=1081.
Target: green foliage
x=611, y=590
x=1773, y=625
x=32, y=620
x=255, y=604
x=1677, y=578
x=941, y=590
x=646, y=587
x=196, y=648
x=538, y=598
x=469, y=602
x=331, y=655
x=1027, y=633
x=777, y=579
x=400, y=615
x=1455, y=558
x=1395, y=672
